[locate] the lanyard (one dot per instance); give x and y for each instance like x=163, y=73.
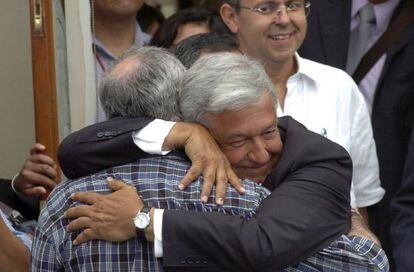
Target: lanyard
x=98, y=59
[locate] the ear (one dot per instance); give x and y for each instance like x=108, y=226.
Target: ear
x=230, y=17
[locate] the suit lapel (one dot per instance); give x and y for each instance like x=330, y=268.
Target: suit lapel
x=405, y=38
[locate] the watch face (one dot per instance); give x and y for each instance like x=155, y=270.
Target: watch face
x=142, y=220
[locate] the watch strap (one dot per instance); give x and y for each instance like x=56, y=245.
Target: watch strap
x=141, y=232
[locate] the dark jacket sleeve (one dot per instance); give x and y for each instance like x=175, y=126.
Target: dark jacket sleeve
x=100, y=146
x=402, y=226
x=27, y=206
x=304, y=214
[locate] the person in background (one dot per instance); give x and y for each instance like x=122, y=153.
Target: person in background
x=186, y=23
x=35, y=181
x=324, y=99
x=387, y=87
x=191, y=49
x=150, y=19
x=115, y=30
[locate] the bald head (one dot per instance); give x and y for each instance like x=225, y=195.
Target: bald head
x=144, y=82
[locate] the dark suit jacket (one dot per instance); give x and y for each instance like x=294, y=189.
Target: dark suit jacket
x=327, y=37
x=28, y=207
x=393, y=109
x=402, y=207
x=89, y=150
x=311, y=177
x=308, y=209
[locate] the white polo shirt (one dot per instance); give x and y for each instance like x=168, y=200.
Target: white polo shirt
x=327, y=101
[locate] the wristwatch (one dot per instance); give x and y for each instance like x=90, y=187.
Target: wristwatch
x=142, y=220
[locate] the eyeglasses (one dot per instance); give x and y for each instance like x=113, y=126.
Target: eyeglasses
x=271, y=8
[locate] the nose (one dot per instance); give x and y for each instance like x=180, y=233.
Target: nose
x=258, y=152
x=282, y=15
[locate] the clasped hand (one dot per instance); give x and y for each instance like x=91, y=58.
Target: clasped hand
x=107, y=216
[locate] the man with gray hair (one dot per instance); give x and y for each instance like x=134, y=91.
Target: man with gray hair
x=142, y=83
x=306, y=214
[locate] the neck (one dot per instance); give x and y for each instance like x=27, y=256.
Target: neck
x=117, y=35
x=279, y=74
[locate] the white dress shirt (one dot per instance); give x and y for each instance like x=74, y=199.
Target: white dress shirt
x=327, y=101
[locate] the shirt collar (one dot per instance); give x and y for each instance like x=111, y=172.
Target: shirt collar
x=304, y=69
x=140, y=40
x=383, y=11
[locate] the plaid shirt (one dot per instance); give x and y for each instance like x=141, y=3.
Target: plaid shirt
x=24, y=237
x=157, y=180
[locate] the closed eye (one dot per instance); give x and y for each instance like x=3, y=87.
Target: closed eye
x=238, y=143
x=270, y=134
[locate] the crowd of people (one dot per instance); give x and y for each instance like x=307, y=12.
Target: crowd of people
x=264, y=136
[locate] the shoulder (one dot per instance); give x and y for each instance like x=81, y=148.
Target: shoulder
x=108, y=129
x=332, y=83
x=301, y=144
x=324, y=73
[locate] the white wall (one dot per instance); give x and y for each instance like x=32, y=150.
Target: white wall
x=16, y=91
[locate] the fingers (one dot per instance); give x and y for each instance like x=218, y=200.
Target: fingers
x=86, y=197
x=117, y=185
x=79, y=223
x=36, y=148
x=206, y=190
x=84, y=236
x=29, y=179
x=38, y=192
x=42, y=159
x=221, y=186
x=235, y=181
x=78, y=211
x=193, y=173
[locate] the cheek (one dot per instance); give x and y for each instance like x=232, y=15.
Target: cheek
x=275, y=146
x=235, y=156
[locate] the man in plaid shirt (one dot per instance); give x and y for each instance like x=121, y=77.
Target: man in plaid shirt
x=156, y=179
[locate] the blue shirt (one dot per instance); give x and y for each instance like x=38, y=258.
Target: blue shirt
x=24, y=237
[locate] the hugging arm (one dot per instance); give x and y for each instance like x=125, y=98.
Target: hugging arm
x=100, y=146
x=302, y=215
x=110, y=143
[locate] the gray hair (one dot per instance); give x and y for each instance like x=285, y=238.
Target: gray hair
x=222, y=81
x=144, y=82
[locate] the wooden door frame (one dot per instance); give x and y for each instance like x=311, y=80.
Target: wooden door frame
x=44, y=78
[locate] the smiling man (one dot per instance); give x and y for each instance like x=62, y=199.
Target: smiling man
x=247, y=155
x=324, y=99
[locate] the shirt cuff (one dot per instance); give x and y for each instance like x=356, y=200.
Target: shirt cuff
x=12, y=183
x=353, y=198
x=158, y=214
x=151, y=138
